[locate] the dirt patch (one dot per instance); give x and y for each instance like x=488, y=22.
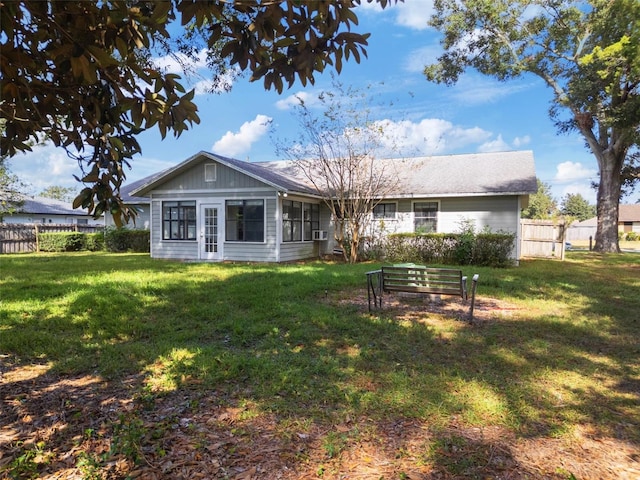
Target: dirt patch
x=419, y=307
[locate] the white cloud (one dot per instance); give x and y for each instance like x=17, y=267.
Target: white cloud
x=178, y=62
x=421, y=57
x=234, y=144
x=574, y=177
x=572, y=171
x=521, y=141
x=584, y=189
x=430, y=136
x=45, y=166
x=497, y=145
x=48, y=166
x=292, y=101
x=476, y=90
x=414, y=14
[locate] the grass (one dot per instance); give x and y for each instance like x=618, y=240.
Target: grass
x=273, y=338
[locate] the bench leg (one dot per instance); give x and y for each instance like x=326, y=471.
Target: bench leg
x=372, y=293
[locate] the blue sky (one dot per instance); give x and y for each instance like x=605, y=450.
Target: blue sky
x=479, y=114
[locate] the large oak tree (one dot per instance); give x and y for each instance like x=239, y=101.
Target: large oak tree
x=80, y=72
x=587, y=52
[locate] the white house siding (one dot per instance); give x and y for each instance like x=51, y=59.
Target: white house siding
x=226, y=179
x=234, y=251
x=496, y=213
x=142, y=220
x=51, y=219
x=290, y=251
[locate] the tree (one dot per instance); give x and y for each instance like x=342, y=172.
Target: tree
x=542, y=205
x=587, y=52
x=576, y=206
x=11, y=191
x=11, y=187
x=64, y=194
x=81, y=72
x=337, y=152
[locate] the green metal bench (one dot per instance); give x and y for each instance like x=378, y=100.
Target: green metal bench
x=419, y=279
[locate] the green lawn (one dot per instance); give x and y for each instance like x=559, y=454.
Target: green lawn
x=287, y=341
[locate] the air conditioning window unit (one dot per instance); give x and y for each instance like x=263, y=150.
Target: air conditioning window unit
x=320, y=235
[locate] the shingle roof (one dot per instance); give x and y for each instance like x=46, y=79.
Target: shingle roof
x=502, y=173
x=48, y=206
x=629, y=213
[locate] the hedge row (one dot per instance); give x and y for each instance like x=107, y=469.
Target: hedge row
x=70, y=241
x=112, y=240
x=490, y=249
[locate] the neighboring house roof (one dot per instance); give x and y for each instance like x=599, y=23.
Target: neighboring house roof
x=502, y=173
x=626, y=213
x=629, y=213
x=589, y=222
x=48, y=206
x=125, y=190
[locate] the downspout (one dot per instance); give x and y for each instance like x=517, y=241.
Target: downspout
x=278, y=221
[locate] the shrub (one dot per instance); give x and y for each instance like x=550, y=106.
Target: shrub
x=125, y=240
x=493, y=249
x=466, y=248
x=632, y=236
x=466, y=243
x=94, y=242
x=61, y=242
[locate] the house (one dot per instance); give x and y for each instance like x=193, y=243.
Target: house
x=215, y=208
x=629, y=218
x=142, y=206
x=49, y=211
x=628, y=221
x=582, y=230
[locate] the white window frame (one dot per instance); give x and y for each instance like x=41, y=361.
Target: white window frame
x=437, y=218
x=210, y=172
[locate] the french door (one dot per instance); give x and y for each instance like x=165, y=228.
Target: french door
x=211, y=231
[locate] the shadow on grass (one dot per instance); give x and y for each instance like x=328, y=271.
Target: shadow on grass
x=266, y=336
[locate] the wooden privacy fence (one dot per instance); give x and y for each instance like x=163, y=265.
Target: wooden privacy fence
x=23, y=237
x=542, y=238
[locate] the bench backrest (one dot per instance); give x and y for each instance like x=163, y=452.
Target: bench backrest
x=418, y=279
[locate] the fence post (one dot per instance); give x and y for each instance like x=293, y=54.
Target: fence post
x=35, y=226
x=590, y=242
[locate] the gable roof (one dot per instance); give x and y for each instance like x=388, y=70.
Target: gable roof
x=501, y=173
x=629, y=213
x=264, y=172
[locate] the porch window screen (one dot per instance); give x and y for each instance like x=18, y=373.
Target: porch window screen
x=425, y=217
x=179, y=220
x=291, y=221
x=245, y=221
x=311, y=217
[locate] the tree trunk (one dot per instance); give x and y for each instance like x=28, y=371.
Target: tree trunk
x=608, y=203
x=355, y=246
